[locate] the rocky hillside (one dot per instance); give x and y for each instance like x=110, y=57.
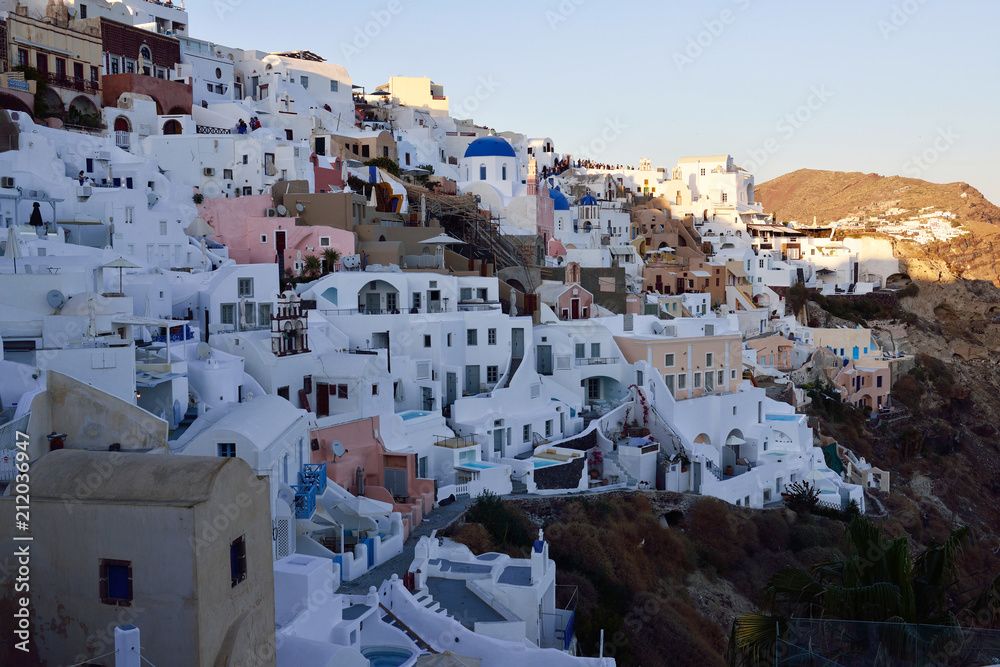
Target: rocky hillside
x=833, y=195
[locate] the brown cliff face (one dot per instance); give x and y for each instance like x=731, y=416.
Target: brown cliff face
x=833, y=195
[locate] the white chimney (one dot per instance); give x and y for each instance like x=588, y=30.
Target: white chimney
x=127, y=646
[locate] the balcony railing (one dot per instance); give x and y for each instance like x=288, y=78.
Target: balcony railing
x=312, y=482
x=594, y=361
x=123, y=139
x=74, y=83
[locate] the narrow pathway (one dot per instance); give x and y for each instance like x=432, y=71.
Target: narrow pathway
x=439, y=519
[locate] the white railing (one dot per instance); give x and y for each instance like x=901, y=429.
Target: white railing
x=461, y=490
x=123, y=139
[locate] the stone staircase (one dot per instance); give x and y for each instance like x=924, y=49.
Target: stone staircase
x=612, y=467
x=519, y=488
x=426, y=600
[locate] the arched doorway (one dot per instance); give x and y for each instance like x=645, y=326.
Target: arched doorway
x=122, y=124
x=378, y=296
x=83, y=111
x=49, y=105
x=178, y=111
x=173, y=127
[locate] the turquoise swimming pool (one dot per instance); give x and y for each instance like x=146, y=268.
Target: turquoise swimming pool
x=387, y=656
x=477, y=465
x=413, y=414
x=542, y=463
x=783, y=418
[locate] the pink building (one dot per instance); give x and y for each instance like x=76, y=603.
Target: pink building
x=387, y=476
x=867, y=385
x=328, y=173
x=773, y=351
x=254, y=237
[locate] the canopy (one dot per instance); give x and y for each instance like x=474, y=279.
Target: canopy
x=121, y=263
x=199, y=227
x=442, y=239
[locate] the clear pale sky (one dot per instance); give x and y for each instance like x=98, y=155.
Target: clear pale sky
x=887, y=80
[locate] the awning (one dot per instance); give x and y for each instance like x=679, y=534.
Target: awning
x=136, y=320
x=737, y=270
x=701, y=274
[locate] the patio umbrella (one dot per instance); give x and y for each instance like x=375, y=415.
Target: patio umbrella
x=423, y=209
x=13, y=248
x=201, y=229
x=121, y=263
x=442, y=239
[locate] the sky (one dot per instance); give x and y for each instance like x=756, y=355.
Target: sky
x=907, y=87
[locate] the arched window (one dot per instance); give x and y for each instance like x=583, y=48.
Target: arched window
x=482, y=172
x=146, y=53
x=503, y=173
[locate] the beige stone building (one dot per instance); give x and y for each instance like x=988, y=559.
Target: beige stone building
x=178, y=546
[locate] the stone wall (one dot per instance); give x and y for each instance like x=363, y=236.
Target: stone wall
x=566, y=476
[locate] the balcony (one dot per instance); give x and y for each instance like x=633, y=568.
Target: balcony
x=594, y=361
x=73, y=83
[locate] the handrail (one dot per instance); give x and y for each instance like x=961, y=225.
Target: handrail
x=406, y=628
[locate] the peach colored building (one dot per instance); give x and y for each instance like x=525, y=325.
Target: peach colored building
x=773, y=351
x=366, y=459
x=253, y=237
x=690, y=365
x=866, y=385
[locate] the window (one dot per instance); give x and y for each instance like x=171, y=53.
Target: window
x=61, y=67
x=548, y=428
x=130, y=211
x=416, y=299
x=146, y=54
x=733, y=374
x=341, y=391
x=722, y=378
x=427, y=340
x=22, y=57
x=263, y=314
x=227, y=450
x=526, y=433
x=364, y=150
x=42, y=62
x=668, y=360
x=448, y=340
x=492, y=374
x=263, y=238
x=227, y=313
x=116, y=582
x=503, y=173
x=227, y=174
x=238, y=560
x=93, y=74
x=725, y=197
x=669, y=381
x=581, y=350
x=334, y=86
x=324, y=242
x=702, y=172
x=472, y=337
x=595, y=350
x=245, y=287
x=83, y=11
x=283, y=392
x=491, y=336
x=682, y=381
x=304, y=80
x=878, y=381
x=246, y=159
x=482, y=172
x=465, y=294
x=163, y=227
x=114, y=66
x=697, y=380
x=374, y=390
x=708, y=360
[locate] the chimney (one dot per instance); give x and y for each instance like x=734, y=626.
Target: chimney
x=127, y=646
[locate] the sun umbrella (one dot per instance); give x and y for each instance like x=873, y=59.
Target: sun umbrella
x=442, y=239
x=423, y=209
x=121, y=263
x=13, y=248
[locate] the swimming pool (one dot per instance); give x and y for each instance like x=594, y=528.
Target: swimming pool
x=413, y=414
x=387, y=656
x=783, y=418
x=542, y=463
x=477, y=466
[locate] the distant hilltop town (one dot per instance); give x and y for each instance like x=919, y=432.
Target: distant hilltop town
x=261, y=320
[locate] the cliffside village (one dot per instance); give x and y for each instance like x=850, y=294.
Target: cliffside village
x=260, y=320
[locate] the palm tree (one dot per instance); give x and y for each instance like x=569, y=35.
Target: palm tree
x=877, y=583
x=330, y=259
x=311, y=268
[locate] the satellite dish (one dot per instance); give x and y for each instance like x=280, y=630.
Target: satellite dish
x=204, y=350
x=337, y=447
x=300, y=208
x=56, y=299
x=282, y=211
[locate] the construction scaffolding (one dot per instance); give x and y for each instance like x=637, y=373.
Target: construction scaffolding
x=462, y=217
